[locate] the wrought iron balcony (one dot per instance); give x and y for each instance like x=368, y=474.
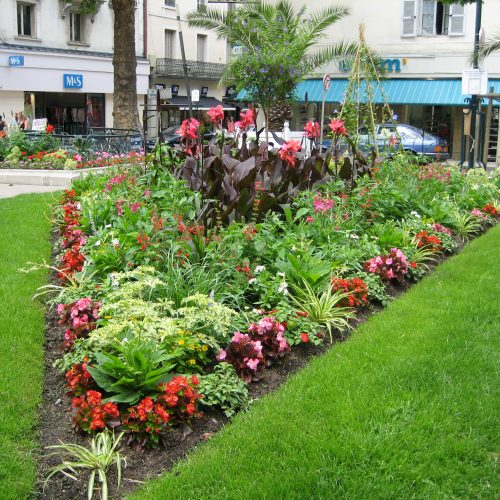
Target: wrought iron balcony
x=196, y=69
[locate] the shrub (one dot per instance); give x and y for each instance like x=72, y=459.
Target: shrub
x=223, y=389
x=269, y=333
x=176, y=404
x=90, y=414
x=245, y=355
x=388, y=267
x=80, y=319
x=355, y=287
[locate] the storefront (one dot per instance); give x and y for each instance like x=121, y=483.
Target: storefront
x=72, y=90
x=434, y=105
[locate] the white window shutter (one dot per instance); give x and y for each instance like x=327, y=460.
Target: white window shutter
x=428, y=25
x=456, y=25
x=409, y=19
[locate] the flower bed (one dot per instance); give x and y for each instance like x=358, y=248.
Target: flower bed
x=165, y=316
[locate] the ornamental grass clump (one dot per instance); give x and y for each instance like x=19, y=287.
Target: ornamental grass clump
x=393, y=266
x=103, y=453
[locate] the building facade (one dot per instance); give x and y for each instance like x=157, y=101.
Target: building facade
x=56, y=63
x=426, y=45
x=206, y=60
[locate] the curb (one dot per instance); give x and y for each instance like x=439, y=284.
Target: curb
x=61, y=178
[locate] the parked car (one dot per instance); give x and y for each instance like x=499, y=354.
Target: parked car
x=412, y=139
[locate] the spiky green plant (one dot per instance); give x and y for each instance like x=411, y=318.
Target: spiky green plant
x=465, y=225
x=101, y=455
x=323, y=307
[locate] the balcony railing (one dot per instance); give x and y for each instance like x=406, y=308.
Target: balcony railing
x=196, y=69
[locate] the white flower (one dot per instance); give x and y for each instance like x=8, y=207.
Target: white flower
x=283, y=288
x=259, y=269
x=251, y=281
x=354, y=236
x=115, y=242
x=97, y=243
x=415, y=214
x=107, y=226
x=281, y=274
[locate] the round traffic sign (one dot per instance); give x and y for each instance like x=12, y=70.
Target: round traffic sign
x=327, y=82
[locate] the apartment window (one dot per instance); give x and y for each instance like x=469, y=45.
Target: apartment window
x=170, y=44
x=25, y=19
x=201, y=47
x=169, y=3
x=76, y=27
x=432, y=17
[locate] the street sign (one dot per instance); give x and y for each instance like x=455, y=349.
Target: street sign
x=152, y=94
x=327, y=81
x=16, y=60
x=474, y=81
x=72, y=81
x=195, y=95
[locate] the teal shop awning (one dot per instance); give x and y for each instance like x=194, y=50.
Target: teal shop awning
x=397, y=91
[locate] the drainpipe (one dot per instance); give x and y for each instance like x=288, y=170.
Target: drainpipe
x=145, y=28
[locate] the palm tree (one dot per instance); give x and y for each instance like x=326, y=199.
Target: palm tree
x=278, y=46
x=492, y=45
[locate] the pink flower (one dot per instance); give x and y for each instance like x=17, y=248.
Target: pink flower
x=287, y=152
x=252, y=363
x=338, y=127
x=221, y=356
x=134, y=207
x=322, y=204
x=310, y=219
x=312, y=130
x=147, y=193
x=216, y=114
x=393, y=140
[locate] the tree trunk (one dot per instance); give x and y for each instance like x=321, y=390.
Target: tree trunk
x=125, y=114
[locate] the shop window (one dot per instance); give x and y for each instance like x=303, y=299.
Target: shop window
x=26, y=19
x=432, y=17
x=201, y=47
x=170, y=44
x=169, y=3
x=76, y=27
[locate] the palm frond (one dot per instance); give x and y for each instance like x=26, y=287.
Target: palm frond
x=320, y=21
x=329, y=53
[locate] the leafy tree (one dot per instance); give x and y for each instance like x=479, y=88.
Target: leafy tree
x=278, y=46
x=125, y=114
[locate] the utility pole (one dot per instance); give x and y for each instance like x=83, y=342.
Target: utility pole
x=184, y=62
x=474, y=98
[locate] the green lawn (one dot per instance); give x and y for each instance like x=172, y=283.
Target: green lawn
x=24, y=230
x=408, y=408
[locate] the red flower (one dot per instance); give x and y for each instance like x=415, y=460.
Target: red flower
x=304, y=337
x=338, y=127
x=216, y=114
x=189, y=128
x=246, y=119
x=312, y=129
x=287, y=152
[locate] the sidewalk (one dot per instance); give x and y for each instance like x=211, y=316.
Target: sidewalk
x=9, y=190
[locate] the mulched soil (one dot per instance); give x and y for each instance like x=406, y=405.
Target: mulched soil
x=55, y=418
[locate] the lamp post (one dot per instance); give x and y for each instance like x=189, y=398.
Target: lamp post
x=184, y=62
x=474, y=98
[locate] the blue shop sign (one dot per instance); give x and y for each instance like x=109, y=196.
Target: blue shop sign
x=73, y=81
x=16, y=60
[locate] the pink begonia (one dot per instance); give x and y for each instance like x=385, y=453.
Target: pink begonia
x=477, y=213
x=147, y=193
x=440, y=228
x=322, y=204
x=309, y=219
x=135, y=207
x=221, y=356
